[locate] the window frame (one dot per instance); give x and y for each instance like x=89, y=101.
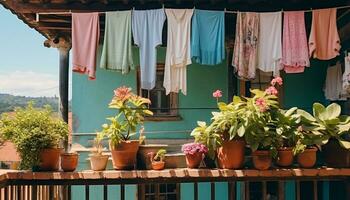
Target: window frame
x=174, y=100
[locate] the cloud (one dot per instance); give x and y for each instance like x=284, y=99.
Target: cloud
x=29, y=83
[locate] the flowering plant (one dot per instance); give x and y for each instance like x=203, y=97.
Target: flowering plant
x=132, y=109
x=192, y=148
x=217, y=94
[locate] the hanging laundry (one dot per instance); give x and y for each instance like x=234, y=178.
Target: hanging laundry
x=295, y=52
x=346, y=76
x=324, y=42
x=116, y=51
x=270, y=42
x=246, y=45
x=147, y=26
x=85, y=39
x=333, y=88
x=208, y=37
x=178, y=49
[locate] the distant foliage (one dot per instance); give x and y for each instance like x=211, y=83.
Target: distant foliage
x=8, y=102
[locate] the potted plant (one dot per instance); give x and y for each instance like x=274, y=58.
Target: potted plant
x=131, y=111
x=261, y=135
x=287, y=122
x=36, y=133
x=69, y=161
x=333, y=128
x=98, y=161
x=158, y=159
x=309, y=137
x=194, y=153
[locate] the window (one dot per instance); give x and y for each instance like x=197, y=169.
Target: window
x=159, y=191
x=164, y=107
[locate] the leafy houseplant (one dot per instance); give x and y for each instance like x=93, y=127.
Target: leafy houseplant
x=131, y=111
x=98, y=161
x=36, y=133
x=194, y=153
x=260, y=113
x=158, y=159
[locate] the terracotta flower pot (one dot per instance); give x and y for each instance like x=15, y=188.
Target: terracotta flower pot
x=124, y=155
x=69, y=161
x=194, y=160
x=158, y=165
x=307, y=159
x=143, y=161
x=333, y=148
x=231, y=154
x=285, y=157
x=262, y=159
x=98, y=162
x=50, y=159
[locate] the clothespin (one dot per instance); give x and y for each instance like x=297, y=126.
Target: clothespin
x=163, y=5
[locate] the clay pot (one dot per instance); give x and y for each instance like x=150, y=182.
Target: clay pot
x=307, y=159
x=98, y=162
x=158, y=165
x=124, y=155
x=194, y=160
x=143, y=161
x=69, y=161
x=333, y=148
x=231, y=154
x=50, y=159
x=261, y=159
x=285, y=157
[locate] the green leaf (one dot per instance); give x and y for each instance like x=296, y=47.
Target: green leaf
x=241, y=131
x=201, y=123
x=344, y=143
x=306, y=115
x=291, y=111
x=332, y=111
x=317, y=109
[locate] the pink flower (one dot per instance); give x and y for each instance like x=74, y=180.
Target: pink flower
x=122, y=93
x=277, y=80
x=271, y=90
x=261, y=103
x=192, y=148
x=217, y=94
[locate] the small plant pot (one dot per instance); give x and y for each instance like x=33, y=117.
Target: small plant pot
x=262, y=159
x=50, y=159
x=158, y=165
x=69, y=161
x=124, y=155
x=285, y=157
x=98, y=162
x=333, y=148
x=307, y=159
x=231, y=154
x=143, y=161
x=194, y=160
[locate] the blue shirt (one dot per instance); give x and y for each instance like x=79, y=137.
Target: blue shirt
x=147, y=26
x=208, y=37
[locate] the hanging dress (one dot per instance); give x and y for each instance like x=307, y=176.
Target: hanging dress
x=178, y=50
x=295, y=52
x=147, y=27
x=346, y=76
x=208, y=37
x=85, y=38
x=116, y=51
x=246, y=45
x=270, y=42
x=334, y=88
x=324, y=42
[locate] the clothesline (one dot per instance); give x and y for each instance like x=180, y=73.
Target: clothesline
x=225, y=10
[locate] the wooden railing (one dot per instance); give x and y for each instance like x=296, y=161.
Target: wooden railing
x=283, y=184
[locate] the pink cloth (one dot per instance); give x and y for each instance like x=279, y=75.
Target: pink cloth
x=324, y=42
x=85, y=38
x=295, y=53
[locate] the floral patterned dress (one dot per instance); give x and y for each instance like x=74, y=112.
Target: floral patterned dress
x=246, y=43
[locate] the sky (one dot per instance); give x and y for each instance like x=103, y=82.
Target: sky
x=27, y=68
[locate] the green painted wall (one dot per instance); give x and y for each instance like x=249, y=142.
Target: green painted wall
x=91, y=98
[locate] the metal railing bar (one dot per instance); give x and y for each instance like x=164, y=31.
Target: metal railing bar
x=87, y=192
x=6, y=193
x=178, y=191
x=247, y=190
x=195, y=189
x=212, y=190
x=298, y=189
x=231, y=190
x=122, y=192
x=315, y=190
x=264, y=190
x=157, y=191
x=281, y=186
x=105, y=192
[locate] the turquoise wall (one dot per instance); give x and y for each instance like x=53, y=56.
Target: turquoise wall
x=90, y=98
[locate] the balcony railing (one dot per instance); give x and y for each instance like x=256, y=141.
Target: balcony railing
x=194, y=184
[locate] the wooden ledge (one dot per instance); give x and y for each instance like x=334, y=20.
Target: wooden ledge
x=173, y=175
